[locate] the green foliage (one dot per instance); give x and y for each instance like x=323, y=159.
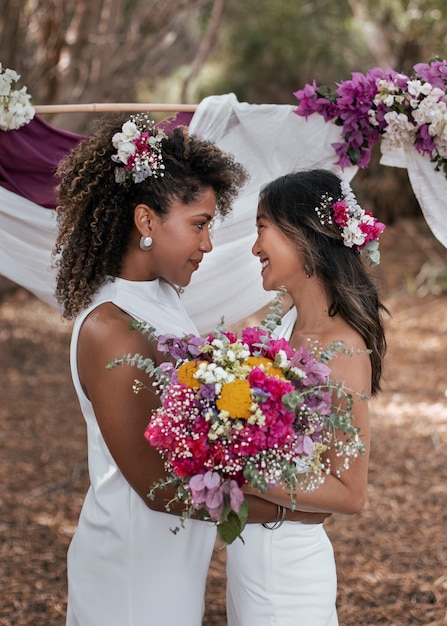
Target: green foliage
x=269, y=48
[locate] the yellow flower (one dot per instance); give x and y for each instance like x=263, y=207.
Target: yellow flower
x=265, y=364
x=186, y=373
x=235, y=399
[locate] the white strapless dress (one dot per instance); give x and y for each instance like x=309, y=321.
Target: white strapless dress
x=125, y=566
x=282, y=577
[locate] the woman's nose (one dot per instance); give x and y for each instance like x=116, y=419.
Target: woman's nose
x=256, y=250
x=205, y=244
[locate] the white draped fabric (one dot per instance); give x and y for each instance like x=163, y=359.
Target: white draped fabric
x=429, y=186
x=269, y=140
x=27, y=235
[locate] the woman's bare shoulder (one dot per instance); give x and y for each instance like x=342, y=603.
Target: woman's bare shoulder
x=108, y=328
x=351, y=362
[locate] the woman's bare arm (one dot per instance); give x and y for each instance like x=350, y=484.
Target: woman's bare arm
x=345, y=493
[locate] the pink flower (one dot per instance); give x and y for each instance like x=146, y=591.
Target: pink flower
x=206, y=492
x=304, y=445
x=232, y=338
x=253, y=336
x=273, y=346
x=340, y=213
x=309, y=100
x=371, y=231
x=180, y=347
x=231, y=489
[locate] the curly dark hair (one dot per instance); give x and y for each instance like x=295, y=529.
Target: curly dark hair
x=290, y=201
x=95, y=213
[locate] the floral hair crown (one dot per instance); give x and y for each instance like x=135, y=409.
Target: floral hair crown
x=139, y=149
x=359, y=228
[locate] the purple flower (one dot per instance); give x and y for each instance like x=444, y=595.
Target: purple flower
x=180, y=348
x=168, y=369
x=231, y=488
x=434, y=73
x=308, y=98
x=175, y=346
x=207, y=391
x=194, y=344
x=424, y=143
x=206, y=492
x=304, y=445
x=316, y=372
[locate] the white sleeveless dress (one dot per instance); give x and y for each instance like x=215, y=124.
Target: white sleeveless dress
x=125, y=566
x=282, y=577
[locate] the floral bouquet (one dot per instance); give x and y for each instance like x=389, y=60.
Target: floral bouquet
x=15, y=108
x=387, y=106
x=235, y=411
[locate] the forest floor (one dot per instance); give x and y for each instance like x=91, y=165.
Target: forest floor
x=391, y=558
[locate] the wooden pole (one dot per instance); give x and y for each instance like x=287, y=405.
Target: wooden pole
x=120, y=106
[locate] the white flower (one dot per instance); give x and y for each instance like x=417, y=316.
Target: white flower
x=351, y=201
x=123, y=142
x=386, y=92
x=352, y=234
x=399, y=130
x=218, y=343
x=416, y=88
x=243, y=353
x=218, y=356
x=6, y=79
x=281, y=359
x=210, y=373
x=125, y=150
x=15, y=108
x=297, y=371
x=367, y=219
x=231, y=356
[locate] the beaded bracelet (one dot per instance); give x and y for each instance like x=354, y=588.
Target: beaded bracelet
x=280, y=517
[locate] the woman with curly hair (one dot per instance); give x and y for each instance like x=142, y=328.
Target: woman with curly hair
x=134, y=216
x=312, y=235
x=135, y=207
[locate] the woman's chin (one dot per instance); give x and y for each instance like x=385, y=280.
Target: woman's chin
x=268, y=285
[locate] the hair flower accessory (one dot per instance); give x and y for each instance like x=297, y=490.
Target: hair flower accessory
x=15, y=107
x=359, y=228
x=139, y=149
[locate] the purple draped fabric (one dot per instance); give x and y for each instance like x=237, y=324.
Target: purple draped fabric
x=30, y=155
x=177, y=119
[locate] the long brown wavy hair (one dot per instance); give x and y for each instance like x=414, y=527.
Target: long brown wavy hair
x=95, y=213
x=290, y=202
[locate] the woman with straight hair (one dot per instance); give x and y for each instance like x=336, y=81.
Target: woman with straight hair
x=312, y=240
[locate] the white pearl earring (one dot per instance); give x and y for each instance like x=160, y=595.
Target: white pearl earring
x=146, y=243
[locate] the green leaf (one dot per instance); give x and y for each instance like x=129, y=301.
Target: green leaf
x=354, y=155
x=243, y=513
x=232, y=527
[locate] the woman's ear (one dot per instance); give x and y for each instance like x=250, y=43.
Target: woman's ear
x=144, y=219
